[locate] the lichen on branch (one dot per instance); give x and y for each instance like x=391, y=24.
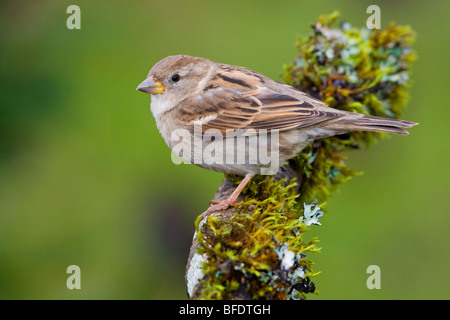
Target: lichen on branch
x=258, y=250
x=358, y=70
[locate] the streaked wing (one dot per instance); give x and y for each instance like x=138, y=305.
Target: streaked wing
x=284, y=112
x=239, y=100
x=223, y=109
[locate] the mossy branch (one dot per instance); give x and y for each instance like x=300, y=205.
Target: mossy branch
x=257, y=250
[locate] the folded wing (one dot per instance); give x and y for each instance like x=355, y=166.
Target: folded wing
x=239, y=100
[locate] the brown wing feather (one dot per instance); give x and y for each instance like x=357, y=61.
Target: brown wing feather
x=284, y=112
x=239, y=104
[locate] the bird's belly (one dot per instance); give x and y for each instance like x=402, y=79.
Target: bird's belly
x=236, y=154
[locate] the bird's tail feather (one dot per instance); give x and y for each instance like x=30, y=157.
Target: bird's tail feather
x=372, y=123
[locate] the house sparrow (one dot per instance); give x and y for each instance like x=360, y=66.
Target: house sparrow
x=198, y=98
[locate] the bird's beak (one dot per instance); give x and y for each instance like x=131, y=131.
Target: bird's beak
x=151, y=85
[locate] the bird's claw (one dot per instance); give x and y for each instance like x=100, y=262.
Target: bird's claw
x=216, y=205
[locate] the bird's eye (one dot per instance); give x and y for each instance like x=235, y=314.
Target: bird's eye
x=176, y=77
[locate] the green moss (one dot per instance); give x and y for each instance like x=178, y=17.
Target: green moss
x=350, y=69
x=245, y=245
x=347, y=68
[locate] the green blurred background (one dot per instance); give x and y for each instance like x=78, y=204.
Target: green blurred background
x=86, y=179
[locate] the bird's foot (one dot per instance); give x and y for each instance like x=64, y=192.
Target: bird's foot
x=230, y=201
x=219, y=206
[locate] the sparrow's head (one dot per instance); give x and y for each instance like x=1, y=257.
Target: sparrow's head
x=175, y=76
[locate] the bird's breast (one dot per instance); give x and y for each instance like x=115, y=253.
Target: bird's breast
x=159, y=105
